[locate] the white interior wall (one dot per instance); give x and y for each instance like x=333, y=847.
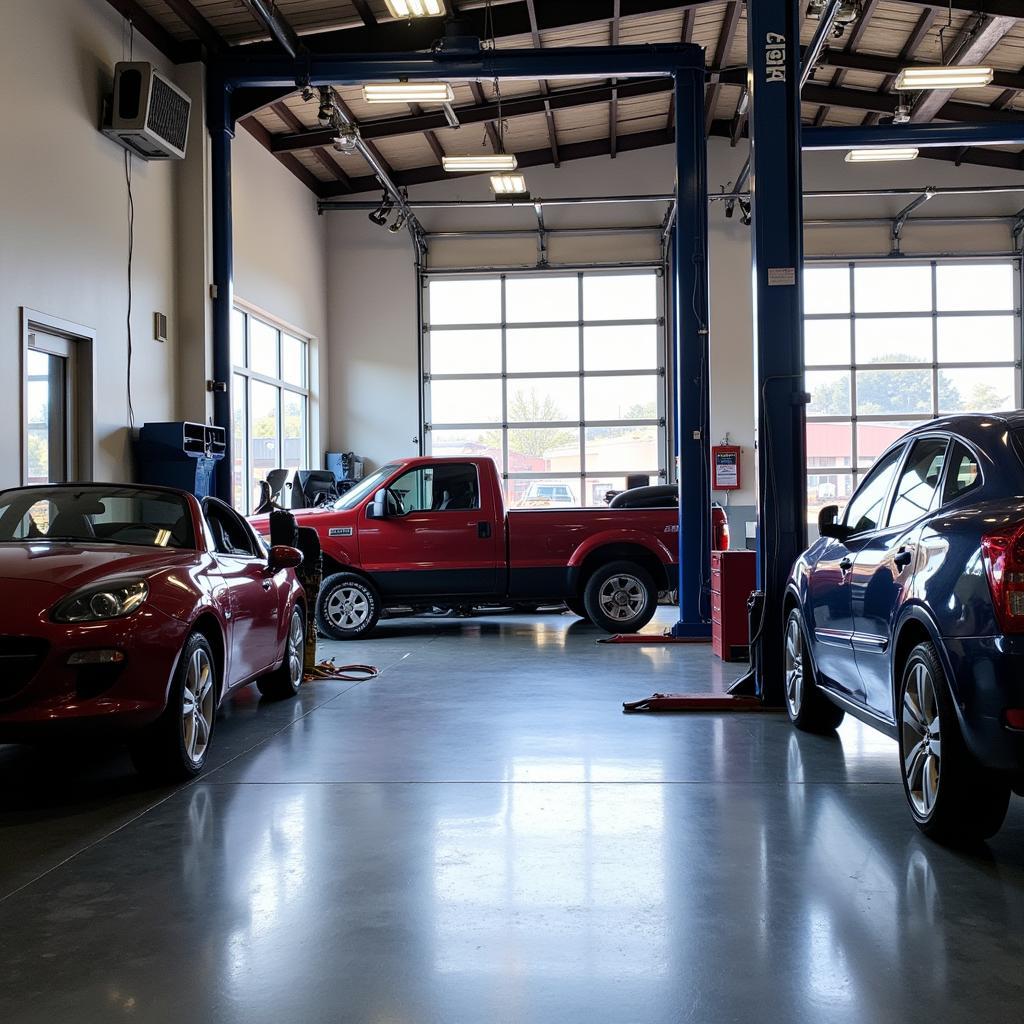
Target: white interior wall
x=63, y=207
x=374, y=383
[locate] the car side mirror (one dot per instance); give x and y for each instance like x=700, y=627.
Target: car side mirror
x=378, y=508
x=829, y=525
x=282, y=556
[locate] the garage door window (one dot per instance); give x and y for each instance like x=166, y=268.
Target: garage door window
x=888, y=346
x=558, y=377
x=270, y=402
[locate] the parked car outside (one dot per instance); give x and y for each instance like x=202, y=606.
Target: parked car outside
x=131, y=612
x=908, y=613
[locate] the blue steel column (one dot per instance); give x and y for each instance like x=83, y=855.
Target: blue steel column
x=690, y=335
x=221, y=126
x=773, y=42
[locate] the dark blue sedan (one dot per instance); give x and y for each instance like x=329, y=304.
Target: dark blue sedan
x=908, y=613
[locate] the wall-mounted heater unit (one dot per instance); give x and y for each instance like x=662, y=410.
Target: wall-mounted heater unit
x=148, y=113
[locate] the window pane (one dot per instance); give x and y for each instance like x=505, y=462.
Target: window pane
x=621, y=348
x=539, y=299
x=883, y=392
x=982, y=390
x=465, y=401
x=874, y=438
x=293, y=408
x=889, y=289
x=438, y=488
x=628, y=449
x=45, y=417
x=546, y=449
x=465, y=352
x=827, y=342
x=827, y=489
x=866, y=510
x=900, y=340
x=620, y=398
x=540, y=399
x=976, y=339
x=240, y=495
x=918, y=481
x=237, y=338
x=620, y=296
x=543, y=493
x=536, y=349
x=974, y=286
x=263, y=347
x=293, y=360
x=829, y=444
x=826, y=289
x=263, y=451
x=596, y=488
x=830, y=392
x=962, y=473
x=476, y=442
x=466, y=302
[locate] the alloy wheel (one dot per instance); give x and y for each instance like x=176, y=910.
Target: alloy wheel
x=622, y=597
x=922, y=740
x=794, y=667
x=197, y=706
x=348, y=608
x=296, y=652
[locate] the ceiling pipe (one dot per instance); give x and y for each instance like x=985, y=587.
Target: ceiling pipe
x=279, y=29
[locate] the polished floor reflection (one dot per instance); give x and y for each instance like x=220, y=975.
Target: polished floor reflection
x=479, y=835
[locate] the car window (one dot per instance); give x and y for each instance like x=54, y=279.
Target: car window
x=230, y=534
x=963, y=472
x=867, y=506
x=446, y=487
x=918, y=481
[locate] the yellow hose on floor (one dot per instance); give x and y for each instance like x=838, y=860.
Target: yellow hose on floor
x=350, y=673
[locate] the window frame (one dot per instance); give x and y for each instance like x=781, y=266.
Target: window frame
x=857, y=473
x=582, y=477
x=244, y=376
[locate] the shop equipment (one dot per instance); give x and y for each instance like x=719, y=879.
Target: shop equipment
x=733, y=578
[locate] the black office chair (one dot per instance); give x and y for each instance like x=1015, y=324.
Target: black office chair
x=317, y=487
x=281, y=488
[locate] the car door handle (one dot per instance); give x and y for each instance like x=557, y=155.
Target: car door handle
x=483, y=530
x=903, y=558
x=267, y=584
x=846, y=565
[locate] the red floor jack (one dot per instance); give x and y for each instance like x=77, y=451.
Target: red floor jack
x=742, y=695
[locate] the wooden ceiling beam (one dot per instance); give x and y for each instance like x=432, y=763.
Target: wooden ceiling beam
x=210, y=38
x=917, y=36
x=852, y=40
x=289, y=160
x=545, y=89
x=291, y=119
x=725, y=37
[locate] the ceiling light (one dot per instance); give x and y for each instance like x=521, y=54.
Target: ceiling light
x=489, y=162
x=910, y=79
x=507, y=184
x=408, y=92
x=415, y=8
x=882, y=153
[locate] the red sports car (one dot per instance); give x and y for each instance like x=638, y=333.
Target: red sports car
x=136, y=610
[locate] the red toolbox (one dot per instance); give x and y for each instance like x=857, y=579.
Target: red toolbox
x=733, y=577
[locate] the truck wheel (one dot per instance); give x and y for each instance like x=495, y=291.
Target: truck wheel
x=620, y=597
x=577, y=607
x=347, y=607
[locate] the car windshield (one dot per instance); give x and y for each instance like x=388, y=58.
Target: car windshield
x=365, y=486
x=96, y=515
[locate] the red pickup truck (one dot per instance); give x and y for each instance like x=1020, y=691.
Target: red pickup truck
x=427, y=531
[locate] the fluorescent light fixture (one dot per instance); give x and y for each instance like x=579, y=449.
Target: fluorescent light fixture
x=880, y=155
x=962, y=77
x=415, y=8
x=490, y=162
x=408, y=92
x=508, y=184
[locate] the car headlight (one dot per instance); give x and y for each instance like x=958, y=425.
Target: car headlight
x=109, y=601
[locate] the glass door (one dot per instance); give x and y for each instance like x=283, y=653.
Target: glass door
x=49, y=390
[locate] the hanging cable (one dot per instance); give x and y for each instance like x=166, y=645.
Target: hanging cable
x=129, y=44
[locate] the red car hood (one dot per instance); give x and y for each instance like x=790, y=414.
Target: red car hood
x=306, y=517
x=70, y=566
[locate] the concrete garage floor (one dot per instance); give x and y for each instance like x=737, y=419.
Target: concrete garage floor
x=481, y=836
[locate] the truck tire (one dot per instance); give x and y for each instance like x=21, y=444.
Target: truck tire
x=620, y=597
x=347, y=607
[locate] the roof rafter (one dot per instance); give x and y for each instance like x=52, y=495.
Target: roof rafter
x=851, y=44
x=549, y=116
x=326, y=161
x=725, y=38
x=910, y=47
x=198, y=25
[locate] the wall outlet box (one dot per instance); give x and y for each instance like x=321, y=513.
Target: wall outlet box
x=159, y=326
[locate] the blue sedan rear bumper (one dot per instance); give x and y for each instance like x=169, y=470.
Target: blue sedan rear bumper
x=988, y=678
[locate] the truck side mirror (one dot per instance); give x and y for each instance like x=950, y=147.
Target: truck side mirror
x=828, y=524
x=378, y=508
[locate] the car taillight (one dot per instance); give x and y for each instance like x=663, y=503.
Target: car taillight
x=1004, y=562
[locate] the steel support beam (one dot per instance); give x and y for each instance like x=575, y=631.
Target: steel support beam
x=773, y=35
x=1008, y=133
x=221, y=127
x=277, y=25
x=691, y=335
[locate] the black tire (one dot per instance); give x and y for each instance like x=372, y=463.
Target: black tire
x=347, y=607
x=285, y=680
x=951, y=797
x=577, y=607
x=165, y=751
x=603, y=590
x=808, y=708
